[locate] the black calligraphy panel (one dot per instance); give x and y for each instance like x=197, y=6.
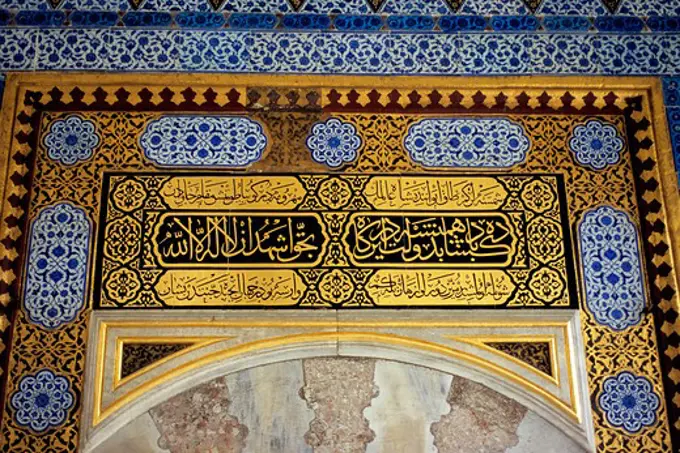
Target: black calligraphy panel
x=228, y=240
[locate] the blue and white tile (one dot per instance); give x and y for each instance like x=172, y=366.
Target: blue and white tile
x=334, y=142
x=356, y=53
x=213, y=51
x=57, y=265
x=71, y=140
x=423, y=7
x=495, y=54
x=143, y=50
x=492, y=142
x=421, y=53
x=649, y=8
x=622, y=54
x=257, y=6
x=17, y=49
x=573, y=7
x=564, y=54
x=337, y=7
x=596, y=144
x=612, y=268
x=629, y=402
x=493, y=7
x=177, y=5
x=25, y=4
x=203, y=141
x=74, y=49
x=99, y=5
x=42, y=401
x=319, y=53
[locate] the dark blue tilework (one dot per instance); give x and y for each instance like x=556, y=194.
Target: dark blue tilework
x=93, y=18
x=566, y=23
x=200, y=20
x=452, y=24
x=619, y=24
x=40, y=18
x=514, y=23
x=674, y=125
x=252, y=21
x=358, y=22
x=412, y=23
x=147, y=19
x=306, y=21
x=671, y=90
x=669, y=24
x=5, y=17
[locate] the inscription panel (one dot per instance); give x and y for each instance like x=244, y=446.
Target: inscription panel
x=210, y=240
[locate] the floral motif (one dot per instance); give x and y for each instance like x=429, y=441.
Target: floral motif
x=56, y=274
x=336, y=287
x=467, y=142
x=42, y=401
x=547, y=285
x=334, y=142
x=204, y=141
x=123, y=285
x=538, y=196
x=335, y=193
x=629, y=402
x=545, y=239
x=596, y=144
x=610, y=260
x=129, y=195
x=122, y=239
x=71, y=139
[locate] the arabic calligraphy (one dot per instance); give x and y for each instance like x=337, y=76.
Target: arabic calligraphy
x=440, y=287
x=338, y=240
x=454, y=193
x=219, y=192
x=227, y=288
x=241, y=239
x=452, y=240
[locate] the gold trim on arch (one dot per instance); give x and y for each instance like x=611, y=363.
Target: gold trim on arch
x=572, y=411
x=194, y=343
x=481, y=341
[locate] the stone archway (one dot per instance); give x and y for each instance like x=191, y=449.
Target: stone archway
x=339, y=404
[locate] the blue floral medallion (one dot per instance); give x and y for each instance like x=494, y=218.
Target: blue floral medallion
x=629, y=402
x=56, y=273
x=203, y=141
x=612, y=273
x=71, y=139
x=596, y=144
x=334, y=142
x=467, y=142
x=42, y=401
